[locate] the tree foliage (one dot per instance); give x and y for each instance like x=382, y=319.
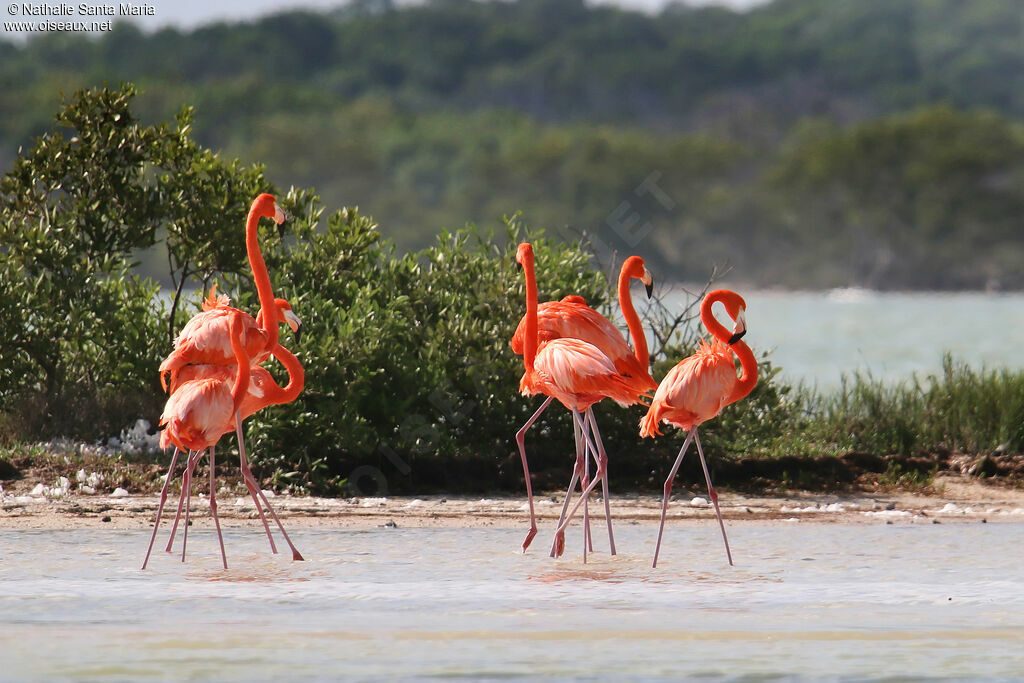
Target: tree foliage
x=443, y=113
x=78, y=345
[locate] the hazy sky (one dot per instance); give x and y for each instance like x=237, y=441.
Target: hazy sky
x=191, y=13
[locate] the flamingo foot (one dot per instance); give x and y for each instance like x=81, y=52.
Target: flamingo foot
x=529, y=537
x=559, y=543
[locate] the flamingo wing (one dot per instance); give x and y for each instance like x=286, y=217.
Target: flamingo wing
x=570, y=318
x=578, y=374
x=196, y=414
x=693, y=391
x=205, y=339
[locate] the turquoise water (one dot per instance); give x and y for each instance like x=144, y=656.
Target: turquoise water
x=816, y=337
x=803, y=601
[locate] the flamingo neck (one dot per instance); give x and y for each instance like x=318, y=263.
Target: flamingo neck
x=745, y=383
x=530, y=338
x=636, y=328
x=296, y=378
x=707, y=316
x=264, y=289
x=241, y=386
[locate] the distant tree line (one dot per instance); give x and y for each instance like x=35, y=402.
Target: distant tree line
x=806, y=143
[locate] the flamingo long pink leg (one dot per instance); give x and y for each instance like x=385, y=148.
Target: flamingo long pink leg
x=213, y=504
x=604, y=480
x=186, y=484
x=576, y=470
x=521, y=442
x=250, y=482
x=160, y=508
x=713, y=495
x=558, y=545
x=296, y=555
x=187, y=488
x=588, y=541
x=668, y=490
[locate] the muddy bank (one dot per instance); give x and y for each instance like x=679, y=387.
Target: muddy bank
x=953, y=498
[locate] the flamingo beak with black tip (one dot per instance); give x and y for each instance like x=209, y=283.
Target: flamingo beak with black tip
x=740, y=328
x=295, y=323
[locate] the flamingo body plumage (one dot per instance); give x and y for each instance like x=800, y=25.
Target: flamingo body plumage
x=197, y=414
x=577, y=374
x=204, y=339
x=572, y=318
x=694, y=391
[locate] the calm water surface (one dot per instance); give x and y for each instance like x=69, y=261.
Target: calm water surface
x=802, y=602
x=816, y=337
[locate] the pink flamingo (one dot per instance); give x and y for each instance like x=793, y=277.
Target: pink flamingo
x=203, y=342
x=578, y=374
x=196, y=415
x=572, y=318
x=699, y=387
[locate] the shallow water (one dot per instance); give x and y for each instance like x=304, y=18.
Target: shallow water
x=816, y=337
x=803, y=601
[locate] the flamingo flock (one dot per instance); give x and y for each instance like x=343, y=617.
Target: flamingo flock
x=216, y=380
x=571, y=353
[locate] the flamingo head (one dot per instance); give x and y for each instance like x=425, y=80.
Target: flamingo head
x=286, y=316
x=634, y=267
x=524, y=255
x=266, y=206
x=736, y=308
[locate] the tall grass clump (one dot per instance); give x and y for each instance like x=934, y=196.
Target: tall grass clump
x=958, y=409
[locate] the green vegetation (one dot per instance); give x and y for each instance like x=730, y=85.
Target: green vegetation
x=411, y=384
x=806, y=143
x=694, y=137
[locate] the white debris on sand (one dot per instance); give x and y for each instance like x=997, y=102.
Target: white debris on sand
x=887, y=513
x=816, y=507
x=697, y=501
x=60, y=489
x=135, y=439
x=119, y=493
x=88, y=483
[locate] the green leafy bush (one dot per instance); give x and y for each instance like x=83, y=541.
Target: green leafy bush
x=81, y=334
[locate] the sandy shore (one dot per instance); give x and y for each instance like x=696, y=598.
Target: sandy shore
x=954, y=499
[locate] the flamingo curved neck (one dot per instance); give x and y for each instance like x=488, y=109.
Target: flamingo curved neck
x=707, y=317
x=748, y=378
x=264, y=289
x=296, y=378
x=748, y=364
x=636, y=328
